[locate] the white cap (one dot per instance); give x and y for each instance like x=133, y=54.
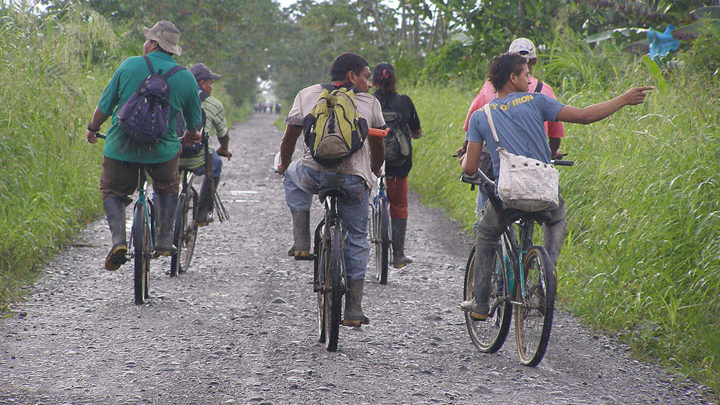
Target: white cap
x=524, y=47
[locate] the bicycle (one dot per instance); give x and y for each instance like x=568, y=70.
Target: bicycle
x=523, y=282
x=380, y=230
x=329, y=269
x=185, y=232
x=142, y=238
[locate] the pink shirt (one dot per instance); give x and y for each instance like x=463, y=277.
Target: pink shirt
x=487, y=93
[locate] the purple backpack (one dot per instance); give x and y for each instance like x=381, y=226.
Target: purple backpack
x=145, y=116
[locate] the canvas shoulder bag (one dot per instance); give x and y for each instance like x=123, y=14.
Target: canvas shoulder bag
x=524, y=183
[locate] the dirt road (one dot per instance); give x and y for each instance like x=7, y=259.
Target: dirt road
x=240, y=326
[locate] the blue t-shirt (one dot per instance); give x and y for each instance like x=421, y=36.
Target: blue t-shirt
x=518, y=120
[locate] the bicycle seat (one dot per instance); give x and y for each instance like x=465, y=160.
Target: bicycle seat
x=333, y=191
x=540, y=217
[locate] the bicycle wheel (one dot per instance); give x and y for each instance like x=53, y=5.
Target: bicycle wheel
x=489, y=335
x=143, y=250
x=333, y=288
x=382, y=240
x=319, y=264
x=178, y=236
x=189, y=233
x=534, y=314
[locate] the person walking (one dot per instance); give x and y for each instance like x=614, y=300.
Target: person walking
x=402, y=118
x=124, y=157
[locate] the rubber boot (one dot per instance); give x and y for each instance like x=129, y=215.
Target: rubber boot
x=553, y=238
x=301, y=235
x=399, y=226
x=354, y=315
x=115, y=214
x=478, y=306
x=205, y=205
x=165, y=224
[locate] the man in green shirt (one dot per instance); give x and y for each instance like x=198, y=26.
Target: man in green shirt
x=216, y=125
x=124, y=157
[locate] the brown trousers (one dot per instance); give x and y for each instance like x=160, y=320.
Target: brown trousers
x=119, y=179
x=397, y=192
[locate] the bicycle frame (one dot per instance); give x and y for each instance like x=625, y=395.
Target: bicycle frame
x=381, y=195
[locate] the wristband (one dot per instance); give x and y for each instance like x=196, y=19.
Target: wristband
x=91, y=128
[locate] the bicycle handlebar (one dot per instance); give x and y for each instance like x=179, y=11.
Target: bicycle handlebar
x=380, y=133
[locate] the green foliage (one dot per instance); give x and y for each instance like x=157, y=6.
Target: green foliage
x=49, y=174
x=704, y=55
x=642, y=252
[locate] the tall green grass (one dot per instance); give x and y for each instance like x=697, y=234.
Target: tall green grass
x=642, y=256
x=49, y=174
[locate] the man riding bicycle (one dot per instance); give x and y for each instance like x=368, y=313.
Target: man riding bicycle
x=215, y=124
x=518, y=117
x=124, y=157
x=354, y=176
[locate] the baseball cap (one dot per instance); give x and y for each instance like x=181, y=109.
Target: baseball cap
x=524, y=47
x=202, y=72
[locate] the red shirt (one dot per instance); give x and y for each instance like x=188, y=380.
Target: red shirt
x=487, y=93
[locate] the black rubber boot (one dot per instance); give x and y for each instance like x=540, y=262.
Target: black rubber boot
x=399, y=226
x=205, y=205
x=167, y=205
x=354, y=315
x=553, y=238
x=301, y=235
x=484, y=262
x=115, y=214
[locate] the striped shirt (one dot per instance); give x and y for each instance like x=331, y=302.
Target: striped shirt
x=215, y=125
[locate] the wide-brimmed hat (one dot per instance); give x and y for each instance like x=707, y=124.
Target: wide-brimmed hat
x=524, y=47
x=166, y=35
x=202, y=72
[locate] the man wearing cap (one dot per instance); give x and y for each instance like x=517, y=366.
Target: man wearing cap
x=216, y=125
x=554, y=130
x=124, y=158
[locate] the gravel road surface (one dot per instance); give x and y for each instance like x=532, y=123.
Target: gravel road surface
x=239, y=327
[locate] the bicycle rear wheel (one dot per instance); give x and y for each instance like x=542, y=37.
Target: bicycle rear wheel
x=489, y=335
x=178, y=236
x=382, y=240
x=143, y=250
x=333, y=288
x=534, y=314
x=319, y=264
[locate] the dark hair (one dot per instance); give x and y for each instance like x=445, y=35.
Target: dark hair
x=503, y=66
x=384, y=75
x=345, y=63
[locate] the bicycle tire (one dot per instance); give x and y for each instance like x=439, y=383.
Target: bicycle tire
x=190, y=230
x=334, y=289
x=489, y=335
x=382, y=240
x=319, y=263
x=178, y=233
x=141, y=238
x=534, y=314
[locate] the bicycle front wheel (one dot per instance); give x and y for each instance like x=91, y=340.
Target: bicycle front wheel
x=489, y=335
x=382, y=240
x=333, y=288
x=143, y=251
x=178, y=236
x=319, y=264
x=188, y=237
x=534, y=313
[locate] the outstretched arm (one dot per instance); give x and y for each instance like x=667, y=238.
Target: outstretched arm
x=596, y=112
x=287, y=146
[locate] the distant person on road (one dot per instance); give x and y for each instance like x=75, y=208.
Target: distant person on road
x=554, y=130
x=519, y=116
x=403, y=120
x=215, y=125
x=124, y=157
x=355, y=176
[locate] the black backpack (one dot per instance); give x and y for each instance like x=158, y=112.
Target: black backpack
x=145, y=116
x=397, y=142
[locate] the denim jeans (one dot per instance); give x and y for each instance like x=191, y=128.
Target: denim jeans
x=302, y=182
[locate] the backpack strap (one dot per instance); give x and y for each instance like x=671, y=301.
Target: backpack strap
x=491, y=123
x=172, y=71
x=539, y=86
x=147, y=60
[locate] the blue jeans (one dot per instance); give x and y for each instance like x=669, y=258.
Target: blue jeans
x=302, y=182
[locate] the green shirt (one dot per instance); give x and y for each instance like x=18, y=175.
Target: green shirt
x=125, y=81
x=215, y=125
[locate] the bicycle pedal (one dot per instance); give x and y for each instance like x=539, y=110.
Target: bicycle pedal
x=308, y=257
x=352, y=324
